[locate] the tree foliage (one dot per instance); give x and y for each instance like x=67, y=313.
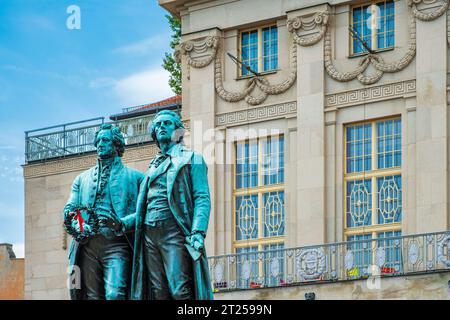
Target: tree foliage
x=169, y=62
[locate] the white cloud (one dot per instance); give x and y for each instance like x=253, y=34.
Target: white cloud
x=143, y=87
x=10, y=166
x=146, y=86
x=102, y=82
x=145, y=46
x=19, y=249
x=68, y=78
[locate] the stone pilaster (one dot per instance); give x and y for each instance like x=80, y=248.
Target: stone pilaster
x=311, y=207
x=431, y=126
x=199, y=106
x=330, y=176
x=290, y=167
x=219, y=197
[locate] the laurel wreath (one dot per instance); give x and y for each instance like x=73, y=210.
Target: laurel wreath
x=77, y=235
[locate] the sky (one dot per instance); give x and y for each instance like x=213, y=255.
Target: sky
x=50, y=75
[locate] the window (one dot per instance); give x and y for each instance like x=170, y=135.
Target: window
x=373, y=191
x=259, y=49
x=374, y=23
x=259, y=210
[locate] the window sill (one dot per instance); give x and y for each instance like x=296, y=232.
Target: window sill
x=357, y=55
x=261, y=73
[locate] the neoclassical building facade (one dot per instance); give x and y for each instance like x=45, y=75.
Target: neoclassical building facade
x=326, y=132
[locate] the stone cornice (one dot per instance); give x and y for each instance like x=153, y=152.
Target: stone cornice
x=84, y=162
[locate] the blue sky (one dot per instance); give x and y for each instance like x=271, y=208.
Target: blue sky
x=51, y=75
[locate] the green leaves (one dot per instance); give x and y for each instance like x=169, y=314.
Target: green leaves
x=169, y=62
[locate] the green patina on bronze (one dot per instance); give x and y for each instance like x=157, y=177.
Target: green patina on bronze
x=177, y=235
x=163, y=215
x=110, y=190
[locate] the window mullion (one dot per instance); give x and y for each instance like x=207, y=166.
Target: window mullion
x=259, y=50
x=374, y=201
x=374, y=179
x=260, y=262
x=373, y=31
x=260, y=169
x=260, y=217
x=239, y=54
x=260, y=182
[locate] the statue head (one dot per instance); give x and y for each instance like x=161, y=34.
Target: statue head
x=109, y=141
x=167, y=127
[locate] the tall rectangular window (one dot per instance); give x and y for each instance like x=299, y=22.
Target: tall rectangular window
x=374, y=24
x=259, y=49
x=259, y=208
x=373, y=191
x=249, y=50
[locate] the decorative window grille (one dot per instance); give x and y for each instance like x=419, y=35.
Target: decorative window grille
x=373, y=193
x=259, y=206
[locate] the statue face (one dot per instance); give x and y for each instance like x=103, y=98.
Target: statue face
x=105, y=145
x=164, y=128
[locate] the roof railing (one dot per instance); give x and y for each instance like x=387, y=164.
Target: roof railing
x=69, y=139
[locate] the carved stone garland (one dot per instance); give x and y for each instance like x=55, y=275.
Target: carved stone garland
x=431, y=15
x=318, y=21
x=448, y=27
x=376, y=61
x=199, y=47
x=260, y=82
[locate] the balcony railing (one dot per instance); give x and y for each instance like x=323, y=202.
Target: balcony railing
x=384, y=257
x=77, y=137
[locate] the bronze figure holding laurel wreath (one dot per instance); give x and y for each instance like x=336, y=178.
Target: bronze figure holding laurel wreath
x=100, y=196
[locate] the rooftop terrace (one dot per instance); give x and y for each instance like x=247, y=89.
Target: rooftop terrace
x=76, y=138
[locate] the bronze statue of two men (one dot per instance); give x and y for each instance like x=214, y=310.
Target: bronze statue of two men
x=149, y=230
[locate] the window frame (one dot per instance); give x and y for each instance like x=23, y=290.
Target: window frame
x=260, y=54
x=259, y=190
x=374, y=35
x=373, y=175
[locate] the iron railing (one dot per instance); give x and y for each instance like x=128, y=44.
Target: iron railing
x=384, y=257
x=77, y=137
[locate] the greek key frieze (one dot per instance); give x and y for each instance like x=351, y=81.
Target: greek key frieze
x=256, y=114
x=372, y=94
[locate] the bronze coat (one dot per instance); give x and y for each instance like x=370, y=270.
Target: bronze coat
x=124, y=188
x=189, y=201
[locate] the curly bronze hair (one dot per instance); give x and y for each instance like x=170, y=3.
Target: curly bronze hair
x=178, y=125
x=118, y=139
